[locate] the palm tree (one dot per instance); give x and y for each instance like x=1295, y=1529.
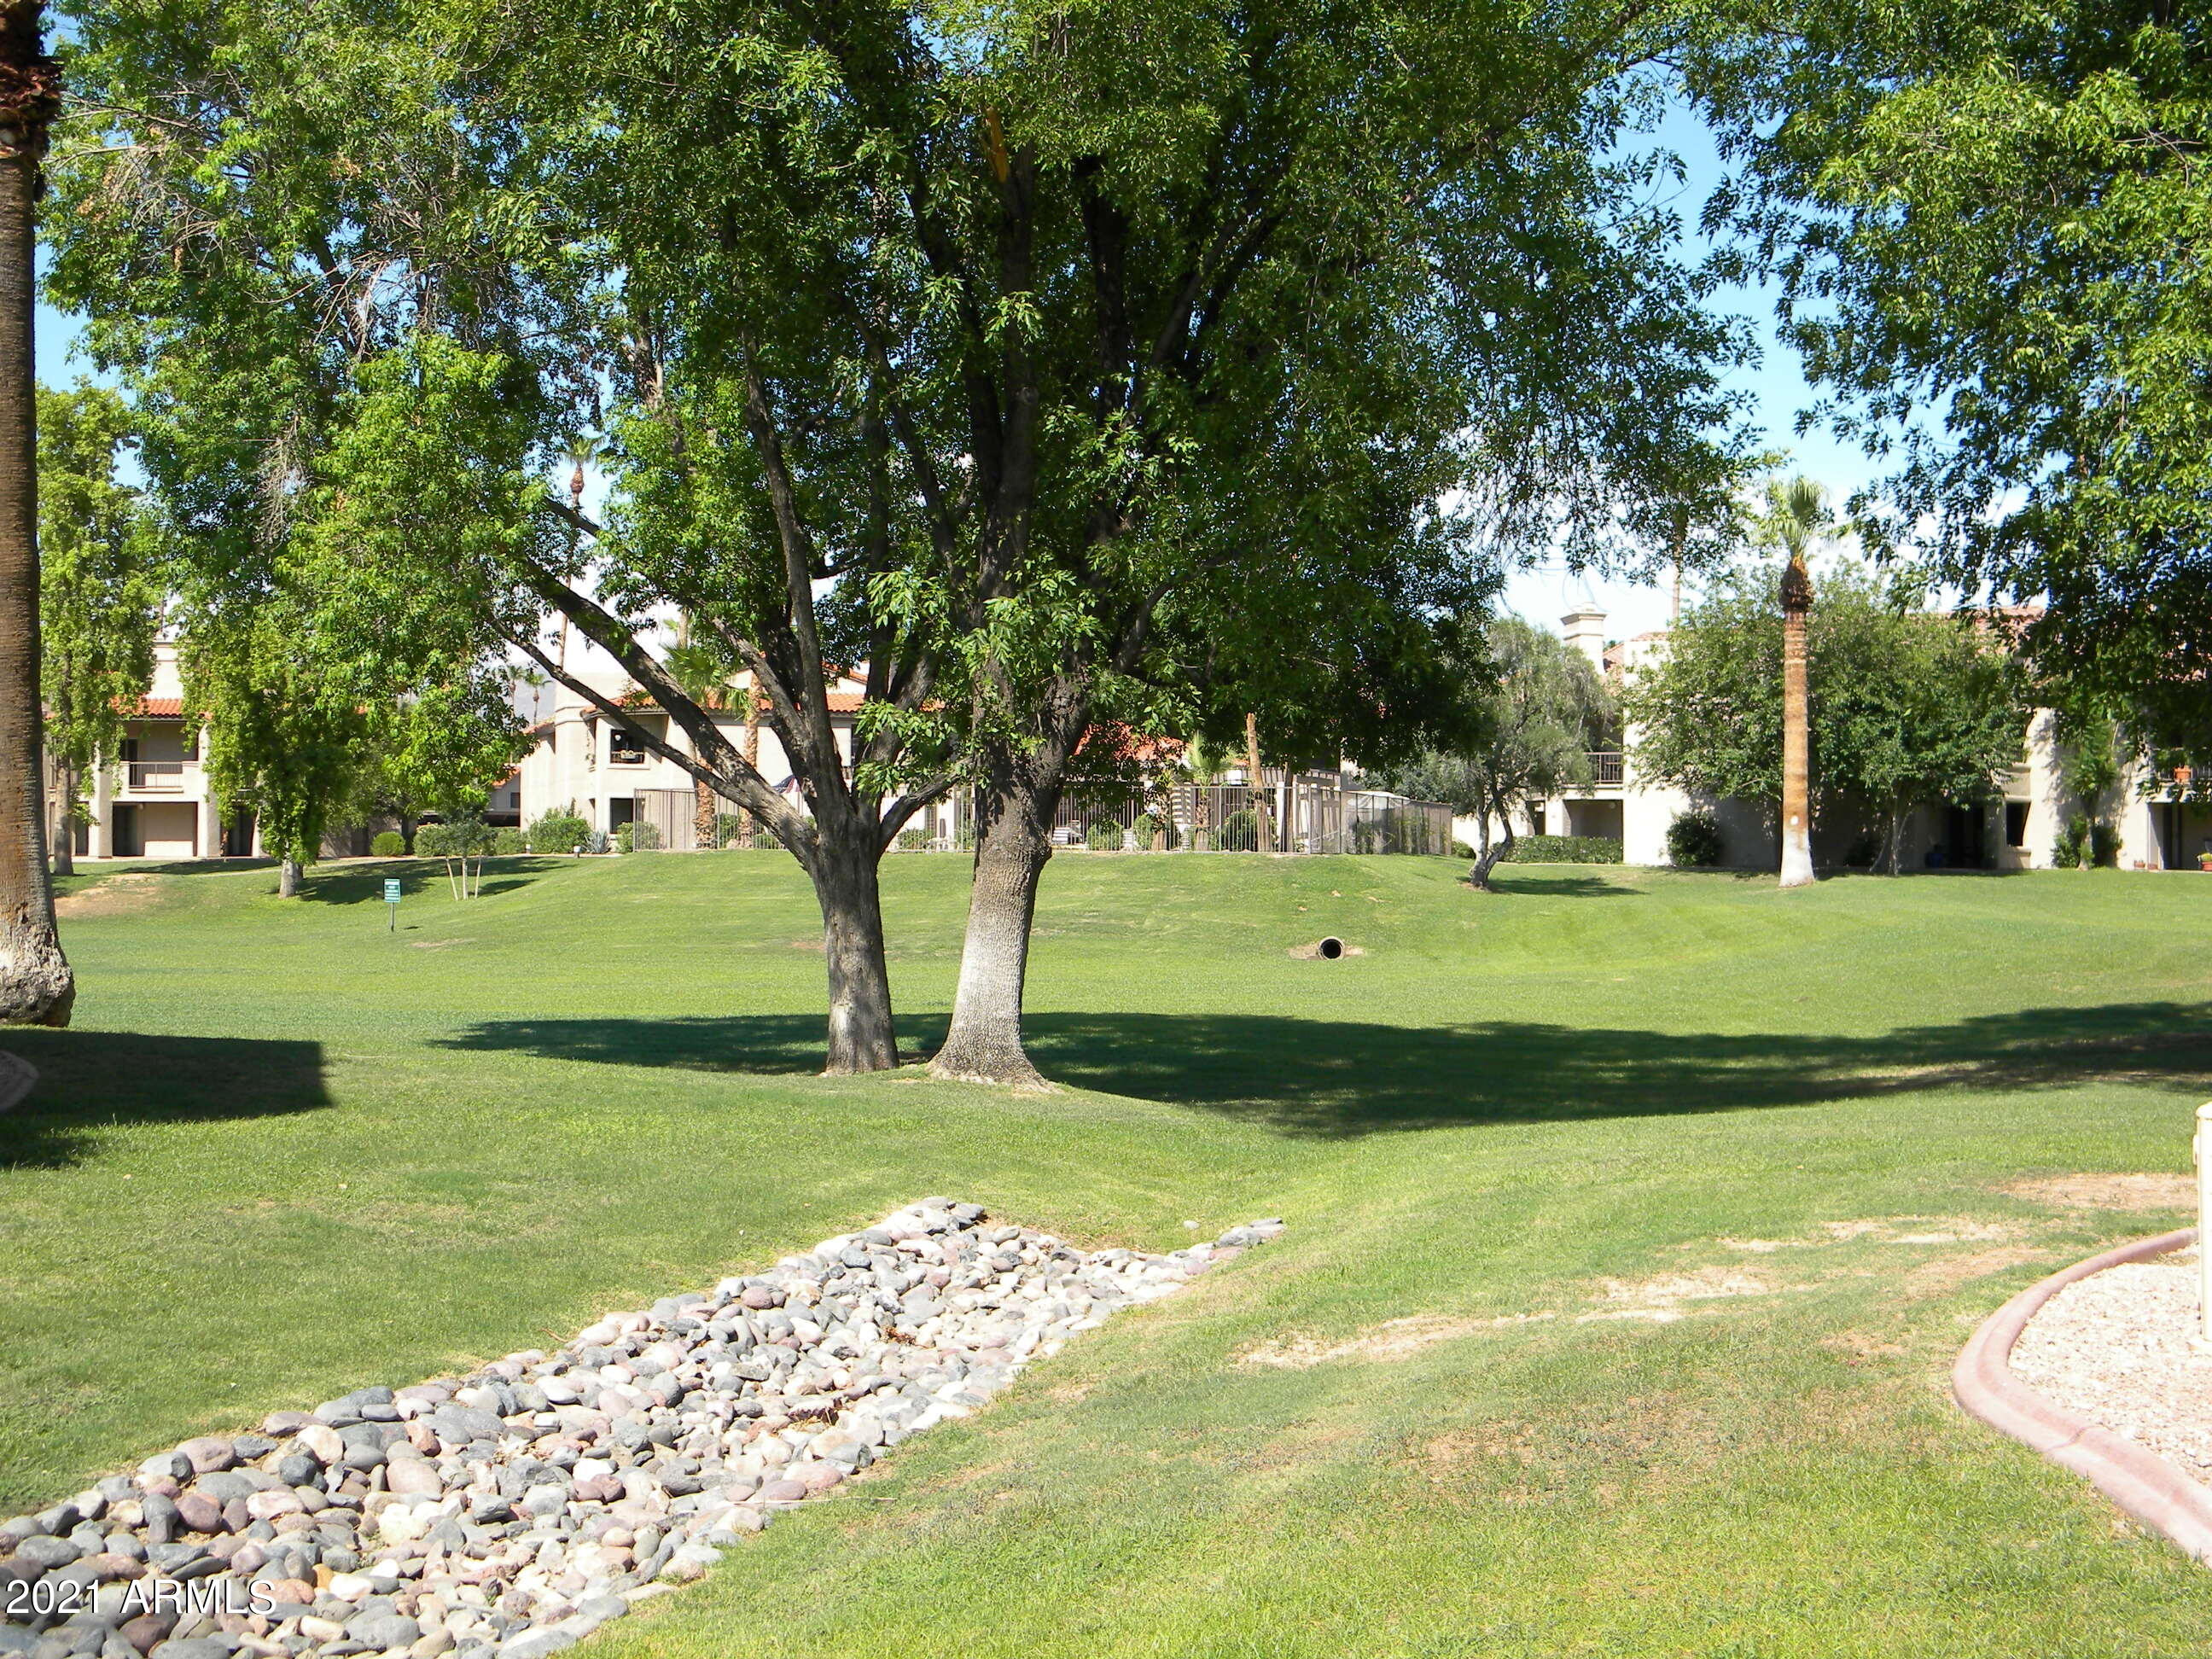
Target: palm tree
x=704, y=674
x=36, y=986
x=1796, y=512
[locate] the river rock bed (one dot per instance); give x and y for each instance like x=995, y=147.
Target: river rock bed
x=507, y=1514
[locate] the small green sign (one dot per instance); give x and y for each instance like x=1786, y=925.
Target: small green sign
x=391, y=890
x=392, y=904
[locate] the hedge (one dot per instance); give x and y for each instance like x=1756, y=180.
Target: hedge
x=1565, y=850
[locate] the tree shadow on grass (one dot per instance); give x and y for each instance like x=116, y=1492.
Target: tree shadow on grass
x=364, y=883
x=1334, y=1078
x=89, y=1079
x=1518, y=882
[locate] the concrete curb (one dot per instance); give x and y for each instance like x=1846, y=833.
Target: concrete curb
x=17, y=1078
x=2142, y=1483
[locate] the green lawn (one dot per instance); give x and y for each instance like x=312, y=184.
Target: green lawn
x=285, y=1152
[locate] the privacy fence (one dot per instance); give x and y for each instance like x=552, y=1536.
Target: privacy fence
x=1306, y=812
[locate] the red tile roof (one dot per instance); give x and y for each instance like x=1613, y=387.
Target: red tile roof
x=157, y=708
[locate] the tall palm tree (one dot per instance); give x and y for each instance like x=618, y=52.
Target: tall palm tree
x=36, y=986
x=1798, y=510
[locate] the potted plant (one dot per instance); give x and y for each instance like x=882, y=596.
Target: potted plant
x=2205, y=862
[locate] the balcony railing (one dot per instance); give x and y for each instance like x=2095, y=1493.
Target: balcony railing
x=1605, y=767
x=156, y=774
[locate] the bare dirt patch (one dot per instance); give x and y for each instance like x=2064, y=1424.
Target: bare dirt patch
x=1393, y=1339
x=2107, y=1192
x=116, y=896
x=1660, y=1299
x=1946, y=1273
x=1861, y=1347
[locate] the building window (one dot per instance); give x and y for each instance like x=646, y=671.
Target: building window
x=625, y=747
x=2015, y=824
x=1535, y=820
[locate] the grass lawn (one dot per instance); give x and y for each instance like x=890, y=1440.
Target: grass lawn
x=285, y=1153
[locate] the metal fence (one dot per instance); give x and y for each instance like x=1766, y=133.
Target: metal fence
x=1308, y=812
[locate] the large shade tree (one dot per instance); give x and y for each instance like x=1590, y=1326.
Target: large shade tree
x=1993, y=222
x=1026, y=358
x=36, y=986
x=102, y=589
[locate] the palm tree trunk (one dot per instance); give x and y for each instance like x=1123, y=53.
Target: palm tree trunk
x=750, y=834
x=36, y=986
x=1796, y=730
x=703, y=815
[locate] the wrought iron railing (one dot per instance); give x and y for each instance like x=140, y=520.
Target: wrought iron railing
x=156, y=774
x=1606, y=768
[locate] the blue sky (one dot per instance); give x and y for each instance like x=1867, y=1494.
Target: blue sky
x=1777, y=391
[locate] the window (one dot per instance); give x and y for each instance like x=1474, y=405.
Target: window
x=1535, y=820
x=2015, y=824
x=624, y=747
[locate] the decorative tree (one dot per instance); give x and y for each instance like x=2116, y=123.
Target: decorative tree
x=100, y=591
x=36, y=986
x=1535, y=705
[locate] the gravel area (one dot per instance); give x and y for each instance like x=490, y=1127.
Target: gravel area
x=2114, y=1348
x=509, y=1513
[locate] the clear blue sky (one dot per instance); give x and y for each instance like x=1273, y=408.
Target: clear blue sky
x=1777, y=391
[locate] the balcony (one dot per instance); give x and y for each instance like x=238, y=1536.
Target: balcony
x=154, y=777
x=1605, y=766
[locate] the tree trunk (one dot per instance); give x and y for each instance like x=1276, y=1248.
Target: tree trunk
x=750, y=836
x=703, y=815
x=1491, y=855
x=65, y=849
x=1013, y=839
x=1262, y=836
x=1796, y=733
x=36, y=986
x=287, y=878
x=862, y=1037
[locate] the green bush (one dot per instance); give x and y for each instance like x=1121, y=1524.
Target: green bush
x=2104, y=845
x=506, y=842
x=731, y=828
x=638, y=836
x=1693, y=841
x=462, y=838
x=1104, y=836
x=1462, y=850
x=1240, y=832
x=1149, y=828
x=389, y=844
x=1565, y=850
x=557, y=832
x=913, y=840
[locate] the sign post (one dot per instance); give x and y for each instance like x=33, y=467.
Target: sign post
x=392, y=903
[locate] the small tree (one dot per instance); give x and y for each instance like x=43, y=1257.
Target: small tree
x=457, y=842
x=100, y=591
x=1536, y=706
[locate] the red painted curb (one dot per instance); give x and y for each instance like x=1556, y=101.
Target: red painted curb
x=2140, y=1482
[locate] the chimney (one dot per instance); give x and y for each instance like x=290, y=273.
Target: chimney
x=1584, y=629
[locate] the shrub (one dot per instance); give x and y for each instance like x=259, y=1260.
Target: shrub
x=1149, y=829
x=1693, y=841
x=2082, y=842
x=1240, y=833
x=1565, y=850
x=1462, y=850
x=1103, y=836
x=462, y=838
x=506, y=842
x=558, y=832
x=913, y=840
x=732, y=829
x=637, y=836
x=595, y=841
x=2104, y=845
x=389, y=844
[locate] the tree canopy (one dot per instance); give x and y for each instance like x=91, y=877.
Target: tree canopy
x=101, y=585
x=1994, y=223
